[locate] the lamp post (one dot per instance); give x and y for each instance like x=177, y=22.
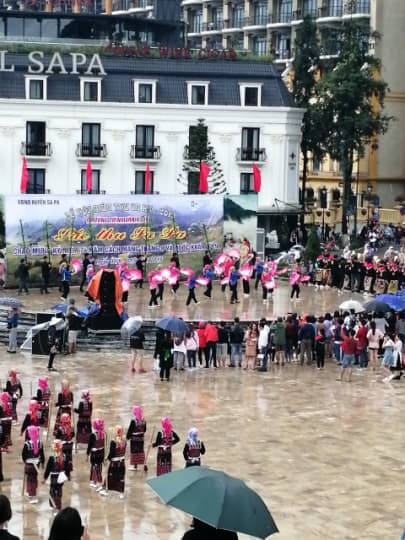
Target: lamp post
x=369, y=190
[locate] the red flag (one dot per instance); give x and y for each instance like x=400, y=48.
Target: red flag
x=24, y=176
x=89, y=177
x=204, y=173
x=257, y=179
x=148, y=179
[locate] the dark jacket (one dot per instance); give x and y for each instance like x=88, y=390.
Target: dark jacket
x=202, y=531
x=5, y=535
x=306, y=332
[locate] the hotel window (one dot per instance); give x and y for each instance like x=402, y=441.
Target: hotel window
x=90, y=89
x=250, y=94
x=259, y=45
x=35, y=143
x=36, y=181
x=250, y=148
x=285, y=11
x=145, y=91
x=309, y=7
x=197, y=93
x=260, y=14
x=140, y=181
x=35, y=88
x=238, y=16
x=246, y=183
x=91, y=146
x=145, y=142
x=95, y=182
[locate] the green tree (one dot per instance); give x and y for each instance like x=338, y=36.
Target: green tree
x=306, y=65
x=200, y=150
x=351, y=96
x=313, y=246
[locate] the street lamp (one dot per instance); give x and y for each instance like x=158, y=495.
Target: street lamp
x=369, y=190
x=324, y=204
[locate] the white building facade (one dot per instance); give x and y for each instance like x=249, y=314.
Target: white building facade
x=124, y=116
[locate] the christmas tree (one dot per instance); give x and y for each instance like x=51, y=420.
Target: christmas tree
x=200, y=150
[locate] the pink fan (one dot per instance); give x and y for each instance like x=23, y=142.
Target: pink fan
x=165, y=273
x=76, y=265
x=202, y=281
x=225, y=281
x=282, y=271
x=125, y=285
x=270, y=284
x=221, y=259
x=304, y=279
x=187, y=272
x=157, y=278
x=134, y=274
x=234, y=253
x=173, y=279
x=218, y=269
x=246, y=271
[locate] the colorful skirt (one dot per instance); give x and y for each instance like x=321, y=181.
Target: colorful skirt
x=164, y=460
x=83, y=430
x=116, y=476
x=137, y=452
x=31, y=476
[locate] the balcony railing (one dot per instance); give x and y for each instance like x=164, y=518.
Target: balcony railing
x=257, y=20
x=359, y=6
x=333, y=10
x=251, y=154
x=36, y=149
x=212, y=26
x=191, y=154
x=237, y=22
x=145, y=152
x=277, y=18
x=301, y=13
x=195, y=27
x=91, y=150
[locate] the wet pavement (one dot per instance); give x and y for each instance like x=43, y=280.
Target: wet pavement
x=326, y=456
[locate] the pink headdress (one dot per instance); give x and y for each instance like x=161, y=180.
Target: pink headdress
x=5, y=402
x=33, y=408
x=13, y=375
x=86, y=395
x=137, y=412
x=167, y=426
x=43, y=383
x=98, y=425
x=33, y=434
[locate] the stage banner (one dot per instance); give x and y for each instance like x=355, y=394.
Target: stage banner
x=240, y=219
x=112, y=228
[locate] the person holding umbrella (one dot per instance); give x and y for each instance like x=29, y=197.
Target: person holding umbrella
x=165, y=356
x=202, y=531
x=165, y=439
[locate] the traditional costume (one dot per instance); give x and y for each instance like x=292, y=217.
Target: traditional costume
x=57, y=470
x=65, y=403
x=116, y=457
x=32, y=418
x=6, y=419
x=84, y=411
x=136, y=436
x=295, y=279
x=14, y=388
x=165, y=439
x=96, y=451
x=193, y=449
x=2, y=449
x=66, y=434
x=33, y=456
x=43, y=397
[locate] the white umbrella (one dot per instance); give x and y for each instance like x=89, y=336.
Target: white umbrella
x=131, y=325
x=351, y=304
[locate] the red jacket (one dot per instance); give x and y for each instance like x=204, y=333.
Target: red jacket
x=349, y=345
x=211, y=333
x=202, y=338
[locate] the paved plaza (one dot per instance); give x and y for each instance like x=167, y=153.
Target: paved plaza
x=326, y=456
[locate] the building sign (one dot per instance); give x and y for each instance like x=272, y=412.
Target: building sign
x=89, y=64
x=112, y=228
x=169, y=52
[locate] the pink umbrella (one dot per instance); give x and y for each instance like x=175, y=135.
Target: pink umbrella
x=134, y=274
x=234, y=253
x=187, y=272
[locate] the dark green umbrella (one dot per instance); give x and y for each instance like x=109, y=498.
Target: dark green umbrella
x=217, y=499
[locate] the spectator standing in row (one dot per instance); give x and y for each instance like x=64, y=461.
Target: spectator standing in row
x=202, y=342
x=263, y=343
x=374, y=335
x=12, y=325
x=349, y=349
x=192, y=344
x=279, y=340
x=179, y=352
x=291, y=337
x=236, y=338
x=211, y=334
x=222, y=344
x=251, y=339
x=306, y=337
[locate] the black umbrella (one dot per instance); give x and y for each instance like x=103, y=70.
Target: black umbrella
x=376, y=306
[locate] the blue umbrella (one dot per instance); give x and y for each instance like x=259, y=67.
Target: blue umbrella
x=10, y=302
x=395, y=302
x=172, y=324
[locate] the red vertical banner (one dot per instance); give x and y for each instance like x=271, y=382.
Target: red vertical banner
x=24, y=176
x=257, y=179
x=204, y=173
x=89, y=177
x=148, y=179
